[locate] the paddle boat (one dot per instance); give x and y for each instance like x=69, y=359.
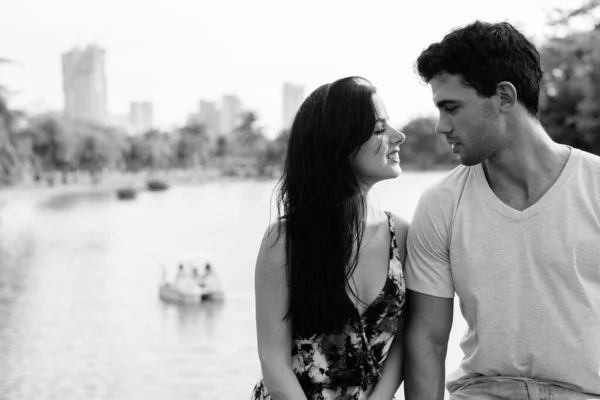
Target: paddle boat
x=126, y=193
x=155, y=185
x=190, y=286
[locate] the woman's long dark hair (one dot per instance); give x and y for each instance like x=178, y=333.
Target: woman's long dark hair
x=321, y=204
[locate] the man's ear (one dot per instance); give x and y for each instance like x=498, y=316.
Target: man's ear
x=507, y=94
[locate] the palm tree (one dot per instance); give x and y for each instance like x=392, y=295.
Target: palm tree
x=10, y=163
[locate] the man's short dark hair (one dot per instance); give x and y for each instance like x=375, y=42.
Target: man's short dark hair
x=485, y=54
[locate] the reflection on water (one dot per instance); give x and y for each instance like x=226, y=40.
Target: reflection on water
x=68, y=201
x=190, y=318
x=80, y=316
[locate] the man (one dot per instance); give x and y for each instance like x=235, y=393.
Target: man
x=514, y=232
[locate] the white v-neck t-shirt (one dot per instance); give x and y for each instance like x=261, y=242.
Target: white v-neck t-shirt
x=528, y=281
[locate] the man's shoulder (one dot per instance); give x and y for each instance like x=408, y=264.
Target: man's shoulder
x=587, y=169
x=590, y=160
x=449, y=187
x=587, y=177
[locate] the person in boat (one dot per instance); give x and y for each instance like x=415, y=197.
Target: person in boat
x=185, y=281
x=208, y=271
x=209, y=280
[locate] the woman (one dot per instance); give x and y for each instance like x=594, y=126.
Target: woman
x=329, y=282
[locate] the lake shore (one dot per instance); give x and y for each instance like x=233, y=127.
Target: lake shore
x=82, y=185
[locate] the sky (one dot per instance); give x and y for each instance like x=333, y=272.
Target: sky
x=176, y=52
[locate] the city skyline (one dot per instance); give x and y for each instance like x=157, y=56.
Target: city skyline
x=220, y=118
x=84, y=83
x=246, y=49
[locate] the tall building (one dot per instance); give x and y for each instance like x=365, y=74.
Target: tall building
x=231, y=113
x=208, y=114
x=293, y=96
x=141, y=116
x=84, y=84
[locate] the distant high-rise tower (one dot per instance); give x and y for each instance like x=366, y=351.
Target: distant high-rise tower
x=84, y=84
x=293, y=96
x=208, y=114
x=231, y=112
x=141, y=116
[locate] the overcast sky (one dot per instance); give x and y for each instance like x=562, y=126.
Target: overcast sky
x=174, y=53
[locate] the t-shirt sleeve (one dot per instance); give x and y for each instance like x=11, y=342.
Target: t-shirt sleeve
x=428, y=257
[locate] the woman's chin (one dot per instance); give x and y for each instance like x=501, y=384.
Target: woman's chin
x=397, y=170
x=392, y=173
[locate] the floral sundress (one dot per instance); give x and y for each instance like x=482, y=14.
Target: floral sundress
x=347, y=365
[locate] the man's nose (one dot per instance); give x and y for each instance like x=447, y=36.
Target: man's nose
x=443, y=126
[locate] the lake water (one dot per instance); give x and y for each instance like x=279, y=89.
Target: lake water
x=80, y=316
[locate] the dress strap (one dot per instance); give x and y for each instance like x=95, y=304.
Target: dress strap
x=393, y=243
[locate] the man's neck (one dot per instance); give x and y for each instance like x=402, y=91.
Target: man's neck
x=530, y=164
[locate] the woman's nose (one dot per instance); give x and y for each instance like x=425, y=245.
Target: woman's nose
x=397, y=137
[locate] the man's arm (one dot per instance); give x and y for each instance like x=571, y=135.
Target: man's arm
x=429, y=320
x=429, y=297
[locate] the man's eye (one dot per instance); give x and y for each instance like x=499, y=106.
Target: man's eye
x=450, y=109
